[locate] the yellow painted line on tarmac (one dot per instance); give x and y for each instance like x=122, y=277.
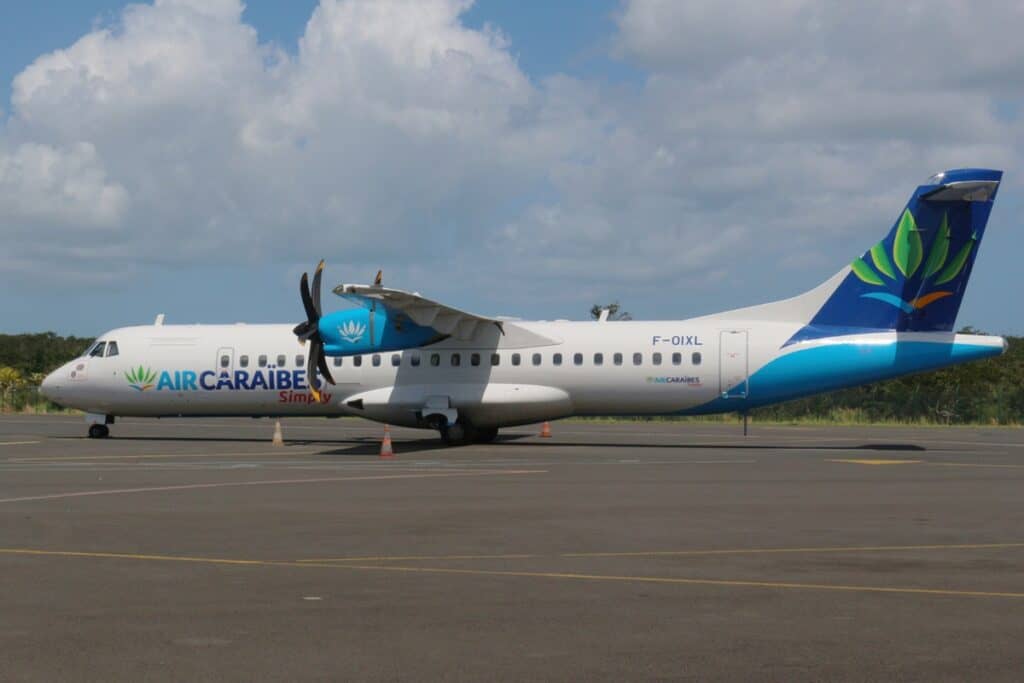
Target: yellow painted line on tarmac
x=681, y=553
x=976, y=464
x=265, y=482
x=128, y=556
x=669, y=580
x=409, y=558
x=736, y=583
x=875, y=461
x=88, y=458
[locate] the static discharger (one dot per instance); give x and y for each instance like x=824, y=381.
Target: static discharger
x=385, y=444
x=278, y=439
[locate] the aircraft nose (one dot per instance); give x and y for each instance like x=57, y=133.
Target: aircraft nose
x=49, y=385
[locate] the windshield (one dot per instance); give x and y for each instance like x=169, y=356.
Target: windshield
x=98, y=349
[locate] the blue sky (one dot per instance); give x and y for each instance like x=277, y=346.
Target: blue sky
x=679, y=157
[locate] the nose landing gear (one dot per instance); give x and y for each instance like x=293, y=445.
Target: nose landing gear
x=98, y=422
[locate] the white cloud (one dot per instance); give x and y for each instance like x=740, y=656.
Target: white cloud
x=397, y=134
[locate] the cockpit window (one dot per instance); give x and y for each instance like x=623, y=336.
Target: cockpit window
x=111, y=349
x=97, y=351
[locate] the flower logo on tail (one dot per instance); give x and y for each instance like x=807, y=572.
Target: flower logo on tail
x=907, y=258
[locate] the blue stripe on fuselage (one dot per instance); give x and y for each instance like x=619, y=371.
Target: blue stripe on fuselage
x=839, y=365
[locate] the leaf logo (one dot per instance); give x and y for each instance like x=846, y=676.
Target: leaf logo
x=352, y=331
x=907, y=257
x=140, y=378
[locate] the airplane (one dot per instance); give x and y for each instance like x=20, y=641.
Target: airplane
x=403, y=359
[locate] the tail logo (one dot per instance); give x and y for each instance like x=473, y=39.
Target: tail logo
x=352, y=331
x=141, y=378
x=907, y=256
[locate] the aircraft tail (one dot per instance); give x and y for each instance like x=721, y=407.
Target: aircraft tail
x=914, y=279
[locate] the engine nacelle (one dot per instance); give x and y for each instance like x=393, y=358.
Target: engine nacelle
x=355, y=331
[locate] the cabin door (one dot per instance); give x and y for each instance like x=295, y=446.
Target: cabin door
x=732, y=364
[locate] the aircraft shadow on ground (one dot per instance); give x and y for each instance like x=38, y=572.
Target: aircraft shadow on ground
x=512, y=442
x=371, y=445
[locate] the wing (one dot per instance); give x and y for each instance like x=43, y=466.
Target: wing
x=421, y=310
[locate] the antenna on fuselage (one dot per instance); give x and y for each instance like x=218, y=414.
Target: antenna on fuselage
x=159, y=320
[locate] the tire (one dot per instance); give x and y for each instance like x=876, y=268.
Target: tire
x=453, y=434
x=485, y=435
x=99, y=431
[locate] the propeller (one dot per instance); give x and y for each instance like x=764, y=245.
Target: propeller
x=309, y=330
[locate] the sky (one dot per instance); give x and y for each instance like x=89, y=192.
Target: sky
x=194, y=157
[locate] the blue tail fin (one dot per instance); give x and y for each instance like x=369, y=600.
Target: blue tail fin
x=914, y=279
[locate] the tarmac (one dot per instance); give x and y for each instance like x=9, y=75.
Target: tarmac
x=197, y=550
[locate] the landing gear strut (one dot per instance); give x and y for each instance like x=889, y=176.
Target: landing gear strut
x=99, y=431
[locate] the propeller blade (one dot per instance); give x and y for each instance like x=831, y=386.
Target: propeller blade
x=325, y=372
x=307, y=301
x=316, y=288
x=311, y=364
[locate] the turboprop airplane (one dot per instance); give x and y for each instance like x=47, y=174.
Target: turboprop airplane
x=404, y=359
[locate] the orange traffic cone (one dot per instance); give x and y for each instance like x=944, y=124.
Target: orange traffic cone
x=385, y=445
x=545, y=430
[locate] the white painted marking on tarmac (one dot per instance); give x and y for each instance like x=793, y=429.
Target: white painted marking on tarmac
x=312, y=597
x=17, y=443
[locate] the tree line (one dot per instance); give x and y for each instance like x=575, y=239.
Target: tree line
x=985, y=392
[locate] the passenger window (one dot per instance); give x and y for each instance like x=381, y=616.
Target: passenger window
x=617, y=358
x=516, y=359
x=262, y=361
x=376, y=360
x=677, y=358
x=243, y=361
x=281, y=361
x=536, y=359
x=695, y=357
x=225, y=361
x=357, y=361
x=638, y=358
x=396, y=360
x=414, y=359
x=556, y=359
x=300, y=360
x=577, y=359
x=435, y=359
x=474, y=359
x=598, y=359
x=97, y=351
x=337, y=361
x=111, y=349
x=495, y=359
x=456, y=360
x=656, y=358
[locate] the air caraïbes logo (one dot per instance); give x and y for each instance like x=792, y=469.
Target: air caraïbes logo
x=141, y=378
x=352, y=331
x=907, y=255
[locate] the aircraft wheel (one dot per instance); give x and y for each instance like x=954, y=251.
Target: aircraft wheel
x=99, y=431
x=485, y=435
x=453, y=434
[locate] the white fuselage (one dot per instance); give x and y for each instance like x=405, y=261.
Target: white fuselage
x=536, y=371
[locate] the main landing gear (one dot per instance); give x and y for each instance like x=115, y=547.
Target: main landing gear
x=463, y=433
x=99, y=431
